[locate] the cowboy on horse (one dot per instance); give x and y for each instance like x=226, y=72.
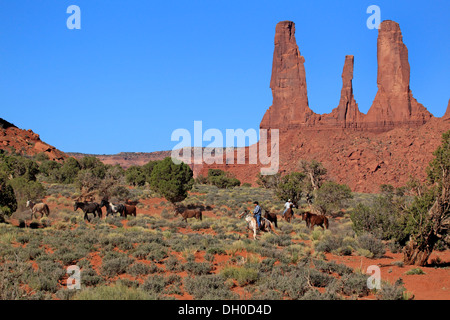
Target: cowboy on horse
x=288, y=205
x=257, y=213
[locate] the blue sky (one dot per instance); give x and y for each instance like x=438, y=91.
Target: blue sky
x=139, y=69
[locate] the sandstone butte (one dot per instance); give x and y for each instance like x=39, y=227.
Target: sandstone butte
x=391, y=143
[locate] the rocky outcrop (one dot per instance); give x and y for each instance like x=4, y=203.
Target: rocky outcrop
x=394, y=103
x=25, y=142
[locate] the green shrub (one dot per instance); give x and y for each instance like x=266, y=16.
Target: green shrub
x=197, y=268
x=116, y=292
x=415, y=271
x=369, y=242
x=242, y=275
x=208, y=287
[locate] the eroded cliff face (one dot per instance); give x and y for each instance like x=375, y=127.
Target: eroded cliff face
x=394, y=104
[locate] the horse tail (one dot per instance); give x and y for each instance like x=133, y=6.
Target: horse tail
x=273, y=228
x=325, y=220
x=46, y=210
x=200, y=215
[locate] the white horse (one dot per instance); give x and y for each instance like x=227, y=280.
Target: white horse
x=266, y=225
x=42, y=208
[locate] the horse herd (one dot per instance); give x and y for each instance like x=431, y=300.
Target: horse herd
x=268, y=222
x=88, y=208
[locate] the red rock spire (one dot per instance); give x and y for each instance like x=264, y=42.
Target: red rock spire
x=347, y=113
x=394, y=102
x=288, y=82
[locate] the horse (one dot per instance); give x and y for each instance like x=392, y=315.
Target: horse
x=129, y=210
x=88, y=207
x=252, y=225
x=190, y=213
x=272, y=217
x=289, y=213
x=42, y=208
x=112, y=208
x=314, y=220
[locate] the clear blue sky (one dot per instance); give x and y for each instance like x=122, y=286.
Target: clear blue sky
x=139, y=69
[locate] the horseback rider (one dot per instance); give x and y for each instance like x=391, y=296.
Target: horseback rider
x=287, y=205
x=257, y=213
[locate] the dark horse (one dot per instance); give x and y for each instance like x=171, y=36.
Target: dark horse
x=289, y=213
x=272, y=217
x=129, y=210
x=314, y=220
x=88, y=207
x=190, y=213
x=112, y=208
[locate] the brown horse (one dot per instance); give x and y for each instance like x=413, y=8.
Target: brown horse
x=314, y=220
x=289, y=213
x=190, y=213
x=272, y=217
x=129, y=210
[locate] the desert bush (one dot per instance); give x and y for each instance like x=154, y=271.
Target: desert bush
x=369, y=242
x=331, y=266
x=154, y=284
x=389, y=291
x=197, y=268
x=116, y=292
x=355, y=284
x=243, y=275
x=141, y=269
x=115, y=263
x=208, y=287
x=415, y=271
x=329, y=243
x=90, y=277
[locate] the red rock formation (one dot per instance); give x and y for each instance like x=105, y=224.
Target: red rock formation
x=347, y=114
x=288, y=82
x=25, y=142
x=394, y=103
x=447, y=113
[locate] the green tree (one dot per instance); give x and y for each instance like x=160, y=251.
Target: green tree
x=429, y=214
x=331, y=197
x=315, y=172
x=148, y=168
x=25, y=190
x=8, y=203
x=222, y=179
x=172, y=181
x=69, y=170
x=93, y=164
x=135, y=176
x=50, y=170
x=291, y=187
x=18, y=166
x=384, y=218
x=268, y=181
